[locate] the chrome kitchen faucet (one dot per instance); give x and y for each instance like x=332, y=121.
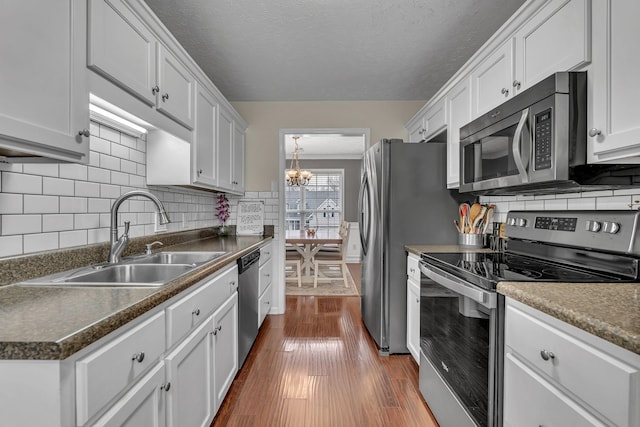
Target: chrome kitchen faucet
x=118, y=245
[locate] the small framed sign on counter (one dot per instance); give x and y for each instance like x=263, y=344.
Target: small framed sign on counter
x=250, y=221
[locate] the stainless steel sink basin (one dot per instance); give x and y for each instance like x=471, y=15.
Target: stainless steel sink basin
x=196, y=258
x=149, y=270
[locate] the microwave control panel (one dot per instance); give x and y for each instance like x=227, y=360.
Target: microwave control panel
x=542, y=134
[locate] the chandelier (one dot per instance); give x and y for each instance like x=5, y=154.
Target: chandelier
x=294, y=176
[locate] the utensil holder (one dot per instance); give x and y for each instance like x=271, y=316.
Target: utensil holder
x=471, y=240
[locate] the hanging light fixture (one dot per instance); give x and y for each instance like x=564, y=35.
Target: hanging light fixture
x=294, y=176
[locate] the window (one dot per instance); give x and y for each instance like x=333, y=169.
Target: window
x=317, y=205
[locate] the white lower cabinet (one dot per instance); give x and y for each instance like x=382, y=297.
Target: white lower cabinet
x=142, y=406
x=413, y=306
x=225, y=349
x=558, y=375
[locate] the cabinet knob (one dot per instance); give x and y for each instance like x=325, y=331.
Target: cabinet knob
x=216, y=330
x=268, y=302
x=165, y=97
x=84, y=132
x=155, y=89
x=516, y=84
x=199, y=171
x=418, y=300
x=546, y=355
x=166, y=386
x=196, y=312
x=505, y=91
x=138, y=357
x=593, y=132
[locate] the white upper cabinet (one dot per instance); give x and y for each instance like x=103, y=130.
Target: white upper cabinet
x=123, y=49
x=238, y=158
x=614, y=116
x=43, y=84
x=558, y=38
x=428, y=122
x=491, y=80
x=459, y=112
x=225, y=150
x=176, y=88
x=203, y=149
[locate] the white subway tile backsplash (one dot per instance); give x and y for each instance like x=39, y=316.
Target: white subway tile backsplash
x=141, y=170
x=73, y=205
x=97, y=235
x=109, y=134
x=44, y=169
x=100, y=145
x=120, y=151
x=98, y=205
x=119, y=178
x=614, y=202
x=21, y=183
x=57, y=222
x=128, y=166
x=40, y=204
x=136, y=156
x=21, y=224
x=87, y=189
x=105, y=220
x=534, y=204
x=40, y=242
x=555, y=205
x=109, y=191
x=73, y=238
x=10, y=245
x=86, y=221
x=94, y=129
x=109, y=162
x=73, y=171
x=10, y=203
x=128, y=141
x=99, y=175
x=58, y=186
x=581, y=203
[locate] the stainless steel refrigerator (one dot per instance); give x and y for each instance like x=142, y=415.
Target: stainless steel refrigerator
x=403, y=200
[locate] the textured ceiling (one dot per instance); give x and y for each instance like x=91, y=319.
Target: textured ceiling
x=337, y=50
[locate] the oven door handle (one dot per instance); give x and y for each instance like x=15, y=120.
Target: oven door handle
x=459, y=286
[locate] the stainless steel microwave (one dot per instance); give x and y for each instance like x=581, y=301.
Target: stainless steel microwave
x=535, y=138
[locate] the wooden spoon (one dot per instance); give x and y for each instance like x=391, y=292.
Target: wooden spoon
x=474, y=213
x=478, y=218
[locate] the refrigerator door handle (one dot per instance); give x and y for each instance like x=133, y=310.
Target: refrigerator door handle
x=364, y=214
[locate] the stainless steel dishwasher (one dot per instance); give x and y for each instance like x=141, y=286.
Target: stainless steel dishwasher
x=248, y=294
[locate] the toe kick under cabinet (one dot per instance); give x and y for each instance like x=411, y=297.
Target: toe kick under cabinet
x=172, y=366
x=558, y=375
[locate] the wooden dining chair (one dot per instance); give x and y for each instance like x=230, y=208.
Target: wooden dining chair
x=292, y=264
x=335, y=264
x=335, y=248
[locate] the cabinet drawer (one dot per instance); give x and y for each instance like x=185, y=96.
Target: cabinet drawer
x=529, y=400
x=193, y=309
x=264, y=305
x=265, y=252
x=112, y=368
x=265, y=276
x=413, y=271
x=600, y=380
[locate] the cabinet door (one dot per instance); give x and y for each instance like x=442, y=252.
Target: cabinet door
x=176, y=84
x=189, y=399
x=615, y=116
x=238, y=160
x=459, y=108
x=556, y=39
x=121, y=48
x=492, y=79
x=264, y=304
x=142, y=406
x=529, y=400
x=416, y=132
x=43, y=81
x=225, y=150
x=435, y=120
x=413, y=319
x=225, y=348
x=204, y=143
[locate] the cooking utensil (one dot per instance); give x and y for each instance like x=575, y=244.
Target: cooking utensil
x=488, y=216
x=479, y=216
x=463, y=212
x=455, y=222
x=473, y=214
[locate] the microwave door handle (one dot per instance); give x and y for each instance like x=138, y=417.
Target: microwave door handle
x=517, y=155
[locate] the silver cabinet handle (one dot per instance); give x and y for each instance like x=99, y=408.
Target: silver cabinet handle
x=138, y=357
x=546, y=355
x=155, y=89
x=84, y=132
x=413, y=270
x=199, y=171
x=594, y=132
x=166, y=386
x=216, y=330
x=516, y=84
x=196, y=312
x=418, y=300
x=505, y=91
x=165, y=97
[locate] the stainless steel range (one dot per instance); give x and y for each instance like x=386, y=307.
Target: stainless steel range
x=462, y=316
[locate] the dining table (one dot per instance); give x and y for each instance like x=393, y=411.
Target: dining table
x=308, y=245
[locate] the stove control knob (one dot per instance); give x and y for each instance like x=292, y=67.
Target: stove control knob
x=511, y=221
x=593, y=226
x=610, y=227
x=521, y=222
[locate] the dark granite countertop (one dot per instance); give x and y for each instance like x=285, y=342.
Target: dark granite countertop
x=610, y=311
x=54, y=322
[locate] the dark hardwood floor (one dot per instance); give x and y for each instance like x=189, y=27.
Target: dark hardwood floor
x=317, y=366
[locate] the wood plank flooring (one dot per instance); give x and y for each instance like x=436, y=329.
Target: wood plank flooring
x=316, y=365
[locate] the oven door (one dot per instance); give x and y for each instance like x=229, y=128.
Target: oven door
x=461, y=350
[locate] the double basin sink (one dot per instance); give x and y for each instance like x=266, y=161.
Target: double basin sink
x=146, y=270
